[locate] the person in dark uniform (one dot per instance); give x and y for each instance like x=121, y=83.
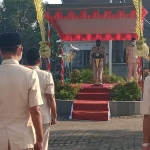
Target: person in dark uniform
x=100, y=49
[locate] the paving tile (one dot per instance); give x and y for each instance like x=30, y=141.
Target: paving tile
x=120, y=133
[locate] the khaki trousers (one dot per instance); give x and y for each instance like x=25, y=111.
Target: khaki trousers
x=46, y=131
x=132, y=71
x=100, y=72
x=9, y=148
x=21, y=149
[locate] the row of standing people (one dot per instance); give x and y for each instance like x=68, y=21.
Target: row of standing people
x=27, y=99
x=131, y=61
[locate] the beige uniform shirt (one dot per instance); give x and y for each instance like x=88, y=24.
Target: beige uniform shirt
x=95, y=49
x=46, y=86
x=145, y=109
x=130, y=51
x=19, y=90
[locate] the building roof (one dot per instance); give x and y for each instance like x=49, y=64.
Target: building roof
x=146, y=3
x=87, y=22
x=89, y=8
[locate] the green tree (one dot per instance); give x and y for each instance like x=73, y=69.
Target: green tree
x=20, y=16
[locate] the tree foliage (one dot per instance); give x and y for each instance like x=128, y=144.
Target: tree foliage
x=20, y=16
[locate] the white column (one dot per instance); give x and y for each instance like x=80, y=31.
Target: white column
x=110, y=52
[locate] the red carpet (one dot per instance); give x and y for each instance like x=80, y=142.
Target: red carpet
x=92, y=103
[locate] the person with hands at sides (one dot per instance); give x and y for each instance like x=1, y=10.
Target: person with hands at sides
x=48, y=109
x=20, y=99
x=132, y=61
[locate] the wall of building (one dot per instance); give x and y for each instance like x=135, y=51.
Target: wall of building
x=87, y=46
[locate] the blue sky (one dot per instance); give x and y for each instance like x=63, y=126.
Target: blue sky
x=49, y=1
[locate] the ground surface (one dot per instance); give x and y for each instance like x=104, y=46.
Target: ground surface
x=123, y=133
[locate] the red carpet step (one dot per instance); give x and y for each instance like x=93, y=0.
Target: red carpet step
x=94, y=96
x=92, y=103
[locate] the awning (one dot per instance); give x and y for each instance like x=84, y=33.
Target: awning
x=88, y=22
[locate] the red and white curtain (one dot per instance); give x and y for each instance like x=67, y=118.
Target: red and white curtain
x=140, y=71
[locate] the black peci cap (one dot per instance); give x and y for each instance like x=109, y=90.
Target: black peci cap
x=9, y=40
x=32, y=55
x=98, y=40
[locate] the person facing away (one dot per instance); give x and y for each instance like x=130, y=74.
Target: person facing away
x=47, y=91
x=99, y=48
x=145, y=110
x=20, y=98
x=132, y=61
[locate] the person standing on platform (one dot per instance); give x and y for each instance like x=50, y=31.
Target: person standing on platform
x=145, y=110
x=47, y=91
x=100, y=49
x=132, y=61
x=20, y=98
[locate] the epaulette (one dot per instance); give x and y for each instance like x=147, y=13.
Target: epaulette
x=28, y=67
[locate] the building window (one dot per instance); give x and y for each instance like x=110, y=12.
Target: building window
x=78, y=59
x=82, y=59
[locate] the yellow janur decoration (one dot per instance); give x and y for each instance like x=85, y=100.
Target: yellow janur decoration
x=142, y=48
x=45, y=51
x=70, y=56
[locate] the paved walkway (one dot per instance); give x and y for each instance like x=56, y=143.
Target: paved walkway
x=117, y=134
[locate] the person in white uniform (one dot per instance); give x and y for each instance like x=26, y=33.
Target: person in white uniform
x=47, y=91
x=145, y=110
x=132, y=61
x=20, y=99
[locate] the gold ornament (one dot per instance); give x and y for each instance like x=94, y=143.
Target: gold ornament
x=70, y=56
x=142, y=48
x=45, y=51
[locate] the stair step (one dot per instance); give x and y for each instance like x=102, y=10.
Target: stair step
x=95, y=90
x=93, y=96
x=85, y=105
x=88, y=115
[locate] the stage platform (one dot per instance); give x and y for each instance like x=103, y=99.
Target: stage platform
x=92, y=103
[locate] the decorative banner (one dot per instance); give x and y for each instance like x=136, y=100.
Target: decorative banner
x=48, y=64
x=62, y=64
x=44, y=49
x=140, y=71
x=48, y=59
x=49, y=32
x=74, y=48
